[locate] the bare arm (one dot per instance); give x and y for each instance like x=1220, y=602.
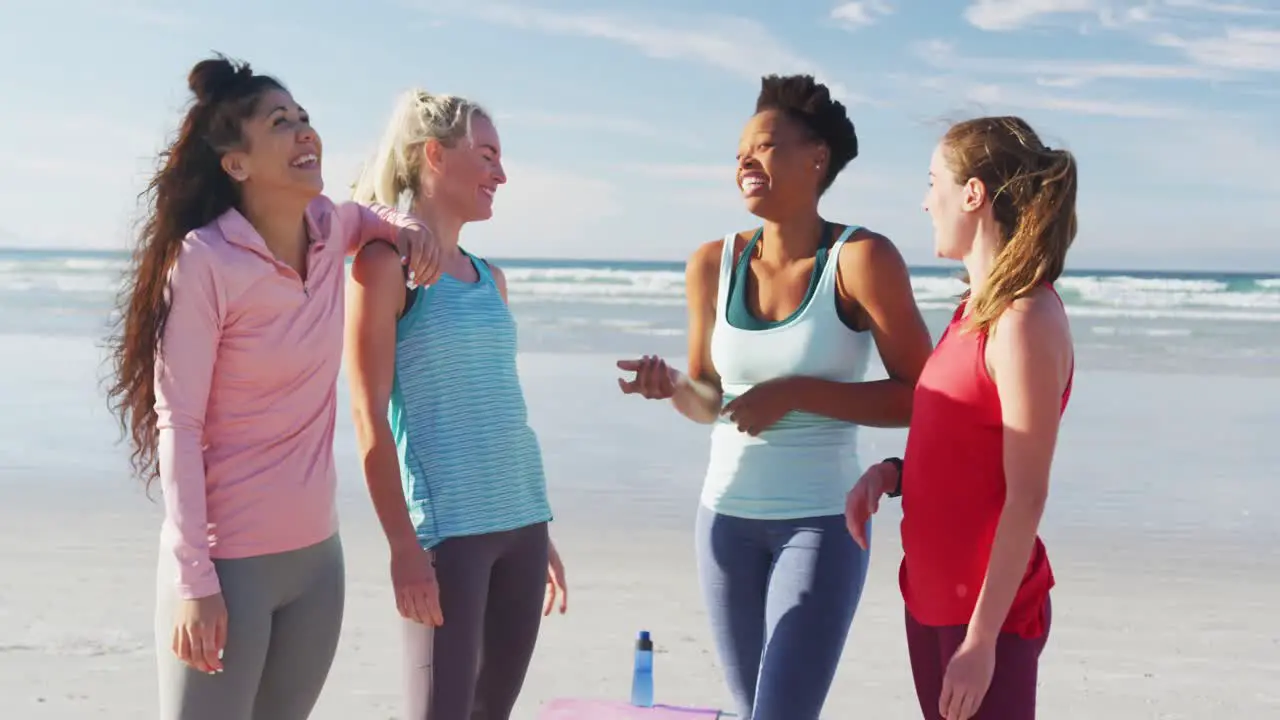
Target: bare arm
x=1030, y=357
x=698, y=394
x=375, y=297
x=184, y=375
x=874, y=274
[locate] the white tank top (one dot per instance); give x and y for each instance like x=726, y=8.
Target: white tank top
x=805, y=464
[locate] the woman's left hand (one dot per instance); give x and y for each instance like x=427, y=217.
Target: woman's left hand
x=556, y=586
x=421, y=252
x=761, y=407
x=967, y=679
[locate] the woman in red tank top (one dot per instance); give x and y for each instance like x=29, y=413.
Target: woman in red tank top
x=975, y=475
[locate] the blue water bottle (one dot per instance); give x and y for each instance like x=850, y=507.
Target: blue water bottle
x=642, y=675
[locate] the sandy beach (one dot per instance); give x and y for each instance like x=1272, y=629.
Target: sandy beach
x=1162, y=528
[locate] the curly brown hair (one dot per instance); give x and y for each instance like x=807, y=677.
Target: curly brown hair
x=189, y=190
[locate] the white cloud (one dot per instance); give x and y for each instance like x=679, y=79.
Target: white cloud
x=857, y=15
x=1061, y=76
x=1061, y=73
x=1238, y=49
x=1221, y=8
x=737, y=45
x=996, y=96
x=1000, y=15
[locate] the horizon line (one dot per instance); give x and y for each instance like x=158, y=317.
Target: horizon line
x=553, y=258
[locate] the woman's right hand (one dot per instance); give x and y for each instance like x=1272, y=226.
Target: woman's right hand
x=864, y=499
x=200, y=633
x=654, y=379
x=413, y=576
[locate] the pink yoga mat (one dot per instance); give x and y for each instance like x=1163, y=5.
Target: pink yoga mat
x=570, y=709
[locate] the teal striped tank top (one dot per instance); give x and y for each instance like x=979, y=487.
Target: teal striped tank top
x=469, y=461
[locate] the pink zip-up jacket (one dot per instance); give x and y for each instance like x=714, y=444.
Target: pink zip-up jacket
x=246, y=389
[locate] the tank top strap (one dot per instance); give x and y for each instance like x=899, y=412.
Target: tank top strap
x=482, y=268
x=726, y=274
x=827, y=282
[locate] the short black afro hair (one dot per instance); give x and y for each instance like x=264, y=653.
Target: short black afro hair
x=809, y=103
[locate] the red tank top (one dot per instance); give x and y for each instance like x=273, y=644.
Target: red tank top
x=953, y=491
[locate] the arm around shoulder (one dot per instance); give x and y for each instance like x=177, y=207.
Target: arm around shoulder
x=362, y=224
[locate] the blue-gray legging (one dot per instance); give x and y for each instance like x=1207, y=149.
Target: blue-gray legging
x=284, y=616
x=781, y=595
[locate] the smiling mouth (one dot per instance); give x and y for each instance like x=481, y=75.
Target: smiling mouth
x=488, y=192
x=752, y=182
x=309, y=160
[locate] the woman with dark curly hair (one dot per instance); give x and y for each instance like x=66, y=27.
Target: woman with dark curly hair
x=225, y=372
x=781, y=324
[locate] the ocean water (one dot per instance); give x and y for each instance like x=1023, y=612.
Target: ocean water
x=1193, y=323
x=1163, y=504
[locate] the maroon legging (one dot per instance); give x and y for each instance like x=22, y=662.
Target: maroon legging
x=1012, y=695
x=491, y=595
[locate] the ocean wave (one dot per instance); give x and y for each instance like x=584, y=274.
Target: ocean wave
x=1136, y=296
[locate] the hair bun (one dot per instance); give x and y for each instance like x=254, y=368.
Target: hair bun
x=215, y=77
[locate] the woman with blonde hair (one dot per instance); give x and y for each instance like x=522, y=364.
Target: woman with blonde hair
x=975, y=475
x=453, y=468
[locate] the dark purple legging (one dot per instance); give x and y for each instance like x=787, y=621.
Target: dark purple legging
x=1012, y=695
x=491, y=595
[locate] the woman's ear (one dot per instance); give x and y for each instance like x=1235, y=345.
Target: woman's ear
x=236, y=165
x=975, y=195
x=433, y=156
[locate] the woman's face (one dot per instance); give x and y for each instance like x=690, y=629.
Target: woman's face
x=951, y=205
x=469, y=173
x=280, y=152
x=780, y=166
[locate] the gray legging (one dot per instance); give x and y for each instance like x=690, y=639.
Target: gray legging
x=284, y=615
x=491, y=592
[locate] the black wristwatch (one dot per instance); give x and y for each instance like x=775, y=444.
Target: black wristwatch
x=897, y=487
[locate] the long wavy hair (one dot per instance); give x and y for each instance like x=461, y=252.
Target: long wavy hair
x=189, y=190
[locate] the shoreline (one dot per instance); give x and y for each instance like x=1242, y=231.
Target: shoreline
x=123, y=253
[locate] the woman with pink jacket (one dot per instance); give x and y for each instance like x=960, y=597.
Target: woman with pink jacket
x=226, y=368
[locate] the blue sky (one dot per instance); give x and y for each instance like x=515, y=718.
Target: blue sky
x=620, y=119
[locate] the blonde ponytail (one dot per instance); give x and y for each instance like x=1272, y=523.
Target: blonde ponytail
x=393, y=175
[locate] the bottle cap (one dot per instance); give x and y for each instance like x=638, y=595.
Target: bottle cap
x=644, y=634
